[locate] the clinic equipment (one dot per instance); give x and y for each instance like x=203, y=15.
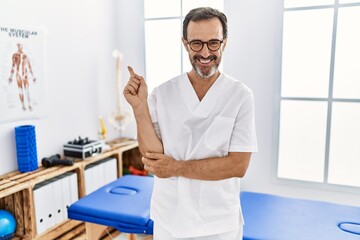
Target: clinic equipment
x=7, y=225
x=274, y=217
x=125, y=205
x=55, y=160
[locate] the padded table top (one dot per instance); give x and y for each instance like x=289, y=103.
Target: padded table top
x=270, y=217
x=123, y=204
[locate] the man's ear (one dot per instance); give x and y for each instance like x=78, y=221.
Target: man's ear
x=185, y=44
x=224, y=44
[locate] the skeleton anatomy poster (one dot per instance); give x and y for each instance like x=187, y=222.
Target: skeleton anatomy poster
x=22, y=81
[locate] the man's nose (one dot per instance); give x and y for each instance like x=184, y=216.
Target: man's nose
x=205, y=52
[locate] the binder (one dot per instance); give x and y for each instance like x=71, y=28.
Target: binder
x=40, y=211
x=110, y=170
x=48, y=204
x=89, y=176
x=66, y=194
x=98, y=176
x=74, y=192
x=57, y=200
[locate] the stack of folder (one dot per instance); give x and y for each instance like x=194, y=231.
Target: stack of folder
x=99, y=174
x=52, y=198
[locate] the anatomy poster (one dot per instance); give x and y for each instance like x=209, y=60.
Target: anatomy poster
x=22, y=81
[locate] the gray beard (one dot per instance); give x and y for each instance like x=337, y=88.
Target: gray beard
x=205, y=75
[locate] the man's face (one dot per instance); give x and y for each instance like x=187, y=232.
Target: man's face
x=205, y=62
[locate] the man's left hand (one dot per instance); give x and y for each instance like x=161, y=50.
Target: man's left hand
x=160, y=165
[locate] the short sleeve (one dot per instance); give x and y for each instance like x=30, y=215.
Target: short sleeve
x=243, y=138
x=152, y=103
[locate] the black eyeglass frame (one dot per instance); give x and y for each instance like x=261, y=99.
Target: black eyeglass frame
x=203, y=43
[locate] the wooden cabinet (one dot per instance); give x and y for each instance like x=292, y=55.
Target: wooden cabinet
x=17, y=197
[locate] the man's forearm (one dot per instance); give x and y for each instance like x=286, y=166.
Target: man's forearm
x=147, y=138
x=217, y=168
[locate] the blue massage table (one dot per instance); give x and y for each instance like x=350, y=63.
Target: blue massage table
x=125, y=205
x=270, y=217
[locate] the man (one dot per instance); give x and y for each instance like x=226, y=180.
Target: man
x=196, y=132
x=21, y=67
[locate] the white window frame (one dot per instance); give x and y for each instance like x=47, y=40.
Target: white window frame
x=330, y=100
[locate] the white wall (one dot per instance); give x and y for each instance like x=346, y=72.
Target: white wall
x=80, y=75
x=79, y=71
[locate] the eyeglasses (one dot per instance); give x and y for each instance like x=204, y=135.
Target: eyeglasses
x=212, y=45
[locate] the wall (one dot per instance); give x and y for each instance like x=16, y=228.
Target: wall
x=79, y=71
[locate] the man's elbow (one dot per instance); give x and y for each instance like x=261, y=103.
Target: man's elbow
x=241, y=171
x=154, y=149
x=242, y=166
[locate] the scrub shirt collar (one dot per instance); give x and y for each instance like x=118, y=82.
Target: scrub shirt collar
x=201, y=108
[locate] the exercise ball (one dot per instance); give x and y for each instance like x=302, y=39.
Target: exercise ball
x=7, y=225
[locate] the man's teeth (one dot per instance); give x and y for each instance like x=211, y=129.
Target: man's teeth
x=204, y=60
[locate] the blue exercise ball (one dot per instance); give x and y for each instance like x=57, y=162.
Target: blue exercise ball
x=7, y=225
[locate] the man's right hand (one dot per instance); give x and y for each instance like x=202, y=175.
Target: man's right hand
x=135, y=91
x=10, y=80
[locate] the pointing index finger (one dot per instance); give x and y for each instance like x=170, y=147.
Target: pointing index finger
x=131, y=71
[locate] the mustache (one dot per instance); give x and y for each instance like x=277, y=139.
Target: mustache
x=212, y=57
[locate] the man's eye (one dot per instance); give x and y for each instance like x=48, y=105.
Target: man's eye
x=196, y=44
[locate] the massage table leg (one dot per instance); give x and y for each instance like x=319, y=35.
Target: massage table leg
x=95, y=231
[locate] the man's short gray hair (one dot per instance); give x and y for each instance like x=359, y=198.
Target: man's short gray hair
x=204, y=13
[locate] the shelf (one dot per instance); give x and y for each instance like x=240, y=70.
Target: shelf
x=16, y=191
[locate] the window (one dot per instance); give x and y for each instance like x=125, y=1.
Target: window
x=165, y=57
x=319, y=123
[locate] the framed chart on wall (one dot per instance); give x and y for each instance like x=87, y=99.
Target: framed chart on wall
x=22, y=78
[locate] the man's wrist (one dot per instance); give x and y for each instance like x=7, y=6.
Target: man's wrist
x=179, y=169
x=140, y=109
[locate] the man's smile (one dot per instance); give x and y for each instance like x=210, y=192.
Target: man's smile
x=205, y=61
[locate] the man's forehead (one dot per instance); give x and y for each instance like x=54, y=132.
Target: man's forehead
x=205, y=28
